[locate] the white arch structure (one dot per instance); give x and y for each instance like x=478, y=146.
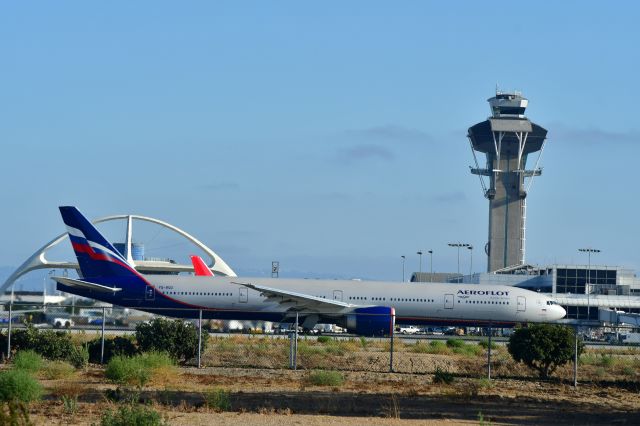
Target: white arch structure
x=38, y=260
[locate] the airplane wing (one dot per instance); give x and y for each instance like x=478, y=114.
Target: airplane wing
x=85, y=285
x=299, y=301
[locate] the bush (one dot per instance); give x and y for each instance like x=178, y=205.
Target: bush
x=128, y=371
x=178, y=338
x=18, y=386
x=443, y=376
x=132, y=415
x=326, y=378
x=28, y=361
x=324, y=339
x=112, y=347
x=57, y=370
x=154, y=360
x=543, y=347
x=137, y=370
x=50, y=344
x=484, y=344
x=218, y=400
x=468, y=350
x=455, y=343
x=79, y=357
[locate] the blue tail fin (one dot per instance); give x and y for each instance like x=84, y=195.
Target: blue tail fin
x=98, y=259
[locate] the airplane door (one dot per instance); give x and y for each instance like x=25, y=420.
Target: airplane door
x=522, y=304
x=448, y=301
x=243, y=295
x=149, y=293
x=337, y=295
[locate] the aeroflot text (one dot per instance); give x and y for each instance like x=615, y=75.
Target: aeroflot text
x=484, y=292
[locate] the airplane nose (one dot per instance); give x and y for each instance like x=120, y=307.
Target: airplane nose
x=561, y=312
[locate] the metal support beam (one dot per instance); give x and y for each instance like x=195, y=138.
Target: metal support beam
x=102, y=336
x=200, y=338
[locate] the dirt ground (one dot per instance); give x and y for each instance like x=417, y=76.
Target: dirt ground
x=284, y=397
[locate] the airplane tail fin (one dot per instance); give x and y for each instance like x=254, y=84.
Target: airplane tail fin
x=200, y=268
x=96, y=256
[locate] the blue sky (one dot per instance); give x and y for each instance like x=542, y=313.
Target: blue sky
x=329, y=135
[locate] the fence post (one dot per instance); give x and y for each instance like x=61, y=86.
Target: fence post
x=393, y=329
x=295, y=346
x=489, y=352
x=200, y=338
x=575, y=358
x=9, y=329
x=291, y=349
x=104, y=318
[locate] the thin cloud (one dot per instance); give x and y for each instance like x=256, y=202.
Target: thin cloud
x=364, y=152
x=391, y=133
x=592, y=135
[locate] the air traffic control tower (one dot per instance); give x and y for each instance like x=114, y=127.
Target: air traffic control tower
x=506, y=138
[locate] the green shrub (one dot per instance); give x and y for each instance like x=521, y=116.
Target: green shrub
x=19, y=385
x=128, y=371
x=455, y=343
x=468, y=350
x=218, y=400
x=79, y=357
x=178, y=338
x=137, y=370
x=484, y=344
x=364, y=342
x=57, y=370
x=52, y=345
x=544, y=347
x=629, y=371
x=155, y=360
x=335, y=350
x=420, y=348
x=443, y=376
x=28, y=361
x=607, y=360
x=132, y=415
x=326, y=378
x=324, y=339
x=70, y=404
x=438, y=347
x=112, y=347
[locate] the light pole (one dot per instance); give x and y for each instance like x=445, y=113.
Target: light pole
x=458, y=245
x=588, y=250
x=470, y=261
x=403, y=258
x=430, y=265
x=420, y=256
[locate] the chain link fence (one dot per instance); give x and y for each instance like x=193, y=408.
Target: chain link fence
x=610, y=354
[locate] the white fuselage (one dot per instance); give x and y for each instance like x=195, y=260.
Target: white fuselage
x=414, y=303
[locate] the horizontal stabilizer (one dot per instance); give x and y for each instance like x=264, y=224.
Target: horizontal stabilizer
x=85, y=285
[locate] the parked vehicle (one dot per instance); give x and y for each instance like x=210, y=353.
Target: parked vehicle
x=410, y=329
x=62, y=322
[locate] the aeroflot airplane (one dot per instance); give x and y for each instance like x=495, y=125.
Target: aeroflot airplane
x=363, y=307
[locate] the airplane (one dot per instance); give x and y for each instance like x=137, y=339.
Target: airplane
x=368, y=308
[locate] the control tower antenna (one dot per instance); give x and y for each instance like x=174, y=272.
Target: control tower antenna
x=506, y=138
